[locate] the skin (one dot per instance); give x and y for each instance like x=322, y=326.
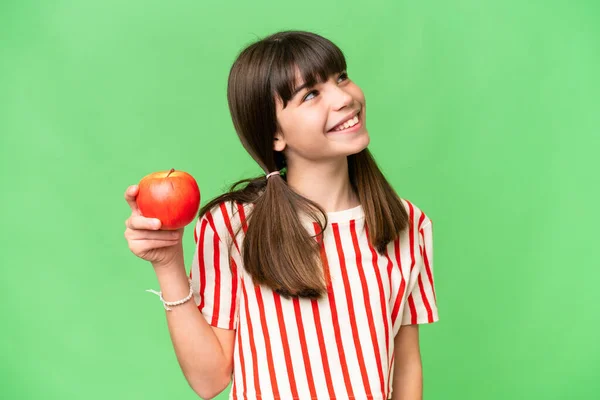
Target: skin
x=317, y=159
x=407, y=381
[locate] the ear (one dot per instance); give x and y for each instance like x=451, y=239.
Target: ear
x=278, y=142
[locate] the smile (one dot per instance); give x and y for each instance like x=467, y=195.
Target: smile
x=349, y=126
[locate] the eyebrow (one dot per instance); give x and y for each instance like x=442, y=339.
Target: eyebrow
x=299, y=89
x=304, y=86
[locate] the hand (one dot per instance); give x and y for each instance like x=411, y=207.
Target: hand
x=145, y=238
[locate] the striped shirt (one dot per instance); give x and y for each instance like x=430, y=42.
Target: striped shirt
x=337, y=347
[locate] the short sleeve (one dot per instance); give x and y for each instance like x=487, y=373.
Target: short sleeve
x=215, y=281
x=421, y=307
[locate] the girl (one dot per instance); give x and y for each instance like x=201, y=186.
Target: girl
x=308, y=282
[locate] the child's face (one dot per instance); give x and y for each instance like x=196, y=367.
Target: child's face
x=309, y=116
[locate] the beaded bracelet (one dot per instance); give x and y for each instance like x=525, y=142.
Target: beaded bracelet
x=173, y=303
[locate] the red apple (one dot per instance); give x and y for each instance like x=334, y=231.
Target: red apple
x=171, y=196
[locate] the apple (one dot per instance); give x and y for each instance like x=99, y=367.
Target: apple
x=171, y=196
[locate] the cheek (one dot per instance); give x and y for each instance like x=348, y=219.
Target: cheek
x=307, y=137
x=316, y=122
x=306, y=126
x=358, y=94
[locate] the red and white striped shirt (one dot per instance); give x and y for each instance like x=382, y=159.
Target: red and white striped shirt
x=337, y=347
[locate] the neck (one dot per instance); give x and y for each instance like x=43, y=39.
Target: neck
x=327, y=183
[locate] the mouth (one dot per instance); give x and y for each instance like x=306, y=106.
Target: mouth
x=351, y=125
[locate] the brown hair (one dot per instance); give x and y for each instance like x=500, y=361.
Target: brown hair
x=276, y=253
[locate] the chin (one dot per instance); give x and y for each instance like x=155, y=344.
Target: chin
x=360, y=146
x=364, y=142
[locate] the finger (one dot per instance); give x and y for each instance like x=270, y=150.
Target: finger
x=143, y=234
x=130, y=195
x=139, y=222
x=142, y=246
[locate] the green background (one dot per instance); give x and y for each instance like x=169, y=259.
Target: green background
x=485, y=114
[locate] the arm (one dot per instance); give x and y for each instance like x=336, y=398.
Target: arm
x=204, y=353
x=407, y=381
x=421, y=309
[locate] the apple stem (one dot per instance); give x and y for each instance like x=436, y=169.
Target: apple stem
x=170, y=172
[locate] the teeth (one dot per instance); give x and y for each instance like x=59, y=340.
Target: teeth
x=348, y=124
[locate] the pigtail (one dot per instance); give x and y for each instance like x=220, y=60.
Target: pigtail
x=278, y=251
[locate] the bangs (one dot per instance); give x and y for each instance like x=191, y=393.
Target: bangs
x=315, y=57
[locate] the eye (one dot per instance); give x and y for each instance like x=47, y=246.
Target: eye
x=343, y=75
x=309, y=93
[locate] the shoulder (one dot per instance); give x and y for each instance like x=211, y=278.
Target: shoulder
x=225, y=218
x=416, y=215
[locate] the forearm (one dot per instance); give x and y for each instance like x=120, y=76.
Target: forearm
x=408, y=380
x=198, y=350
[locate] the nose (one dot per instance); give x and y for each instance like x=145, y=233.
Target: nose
x=340, y=98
